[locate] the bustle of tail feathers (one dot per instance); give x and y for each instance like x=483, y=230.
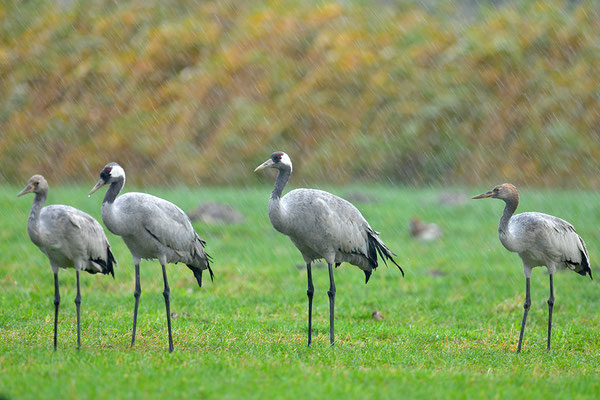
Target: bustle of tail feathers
x=376, y=246
x=107, y=266
x=585, y=261
x=198, y=273
x=585, y=270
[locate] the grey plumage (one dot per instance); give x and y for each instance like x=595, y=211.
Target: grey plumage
x=152, y=228
x=323, y=226
x=540, y=240
x=69, y=238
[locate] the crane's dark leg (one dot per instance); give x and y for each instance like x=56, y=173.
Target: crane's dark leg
x=166, y=294
x=526, y=310
x=78, y=307
x=137, y=293
x=331, y=293
x=550, y=306
x=310, y=291
x=56, y=304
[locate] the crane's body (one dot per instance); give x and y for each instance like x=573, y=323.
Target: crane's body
x=545, y=240
x=152, y=228
x=323, y=226
x=540, y=240
x=70, y=238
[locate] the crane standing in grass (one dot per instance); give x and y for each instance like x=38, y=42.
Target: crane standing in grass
x=540, y=240
x=152, y=228
x=70, y=238
x=323, y=226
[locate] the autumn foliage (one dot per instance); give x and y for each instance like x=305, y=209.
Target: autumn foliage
x=203, y=91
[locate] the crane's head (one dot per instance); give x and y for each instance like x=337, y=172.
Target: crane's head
x=505, y=191
x=278, y=160
x=110, y=173
x=35, y=184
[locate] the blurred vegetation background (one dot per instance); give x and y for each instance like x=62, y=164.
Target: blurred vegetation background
x=187, y=92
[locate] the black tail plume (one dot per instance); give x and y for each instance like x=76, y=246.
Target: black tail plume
x=376, y=246
x=367, y=276
x=198, y=274
x=107, y=266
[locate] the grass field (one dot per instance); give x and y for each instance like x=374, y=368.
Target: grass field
x=450, y=329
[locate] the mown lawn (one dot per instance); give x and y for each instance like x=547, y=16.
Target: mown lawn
x=450, y=328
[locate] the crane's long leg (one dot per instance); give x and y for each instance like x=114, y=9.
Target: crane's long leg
x=137, y=293
x=310, y=291
x=56, y=304
x=78, y=307
x=331, y=293
x=166, y=294
x=550, y=306
x=526, y=310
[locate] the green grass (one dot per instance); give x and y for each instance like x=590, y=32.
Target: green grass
x=452, y=335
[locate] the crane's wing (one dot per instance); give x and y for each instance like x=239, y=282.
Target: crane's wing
x=169, y=225
x=347, y=227
x=76, y=232
x=560, y=239
x=571, y=246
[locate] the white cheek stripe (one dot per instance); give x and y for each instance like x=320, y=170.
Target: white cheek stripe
x=286, y=160
x=117, y=172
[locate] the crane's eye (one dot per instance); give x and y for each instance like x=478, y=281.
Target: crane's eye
x=35, y=183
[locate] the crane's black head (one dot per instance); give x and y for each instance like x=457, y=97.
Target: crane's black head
x=110, y=173
x=278, y=160
x=35, y=184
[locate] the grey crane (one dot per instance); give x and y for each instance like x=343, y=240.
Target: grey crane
x=540, y=240
x=69, y=238
x=323, y=226
x=152, y=228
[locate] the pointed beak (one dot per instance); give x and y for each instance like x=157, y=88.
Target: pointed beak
x=98, y=185
x=483, y=195
x=264, y=165
x=28, y=189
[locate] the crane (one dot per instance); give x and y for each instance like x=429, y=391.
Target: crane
x=152, y=228
x=69, y=238
x=540, y=240
x=323, y=226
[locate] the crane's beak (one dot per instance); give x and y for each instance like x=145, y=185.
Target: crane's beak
x=264, y=165
x=484, y=195
x=28, y=189
x=98, y=185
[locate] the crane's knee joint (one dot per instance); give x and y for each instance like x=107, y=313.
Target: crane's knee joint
x=310, y=292
x=527, y=305
x=137, y=293
x=78, y=300
x=166, y=293
x=56, y=301
x=331, y=292
x=551, y=301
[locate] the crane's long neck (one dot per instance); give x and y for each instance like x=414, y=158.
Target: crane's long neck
x=276, y=211
x=107, y=213
x=282, y=179
x=113, y=191
x=34, y=215
x=509, y=209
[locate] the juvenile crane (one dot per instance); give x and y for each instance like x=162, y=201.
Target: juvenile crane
x=540, y=240
x=69, y=238
x=323, y=226
x=152, y=228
